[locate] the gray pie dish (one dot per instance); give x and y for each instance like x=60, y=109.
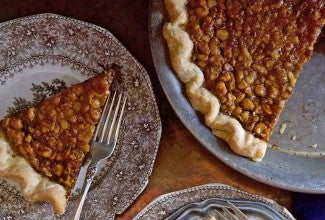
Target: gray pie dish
x=295, y=164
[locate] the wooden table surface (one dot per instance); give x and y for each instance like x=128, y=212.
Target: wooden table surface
x=182, y=161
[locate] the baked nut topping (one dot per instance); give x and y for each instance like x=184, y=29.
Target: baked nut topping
x=54, y=136
x=251, y=53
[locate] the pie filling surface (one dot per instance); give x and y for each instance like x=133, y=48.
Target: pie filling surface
x=251, y=53
x=54, y=136
x=240, y=61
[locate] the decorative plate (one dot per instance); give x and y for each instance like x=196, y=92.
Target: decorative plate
x=295, y=159
x=201, y=201
x=44, y=53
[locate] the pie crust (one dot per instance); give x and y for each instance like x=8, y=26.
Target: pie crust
x=56, y=134
x=240, y=60
x=226, y=127
x=34, y=186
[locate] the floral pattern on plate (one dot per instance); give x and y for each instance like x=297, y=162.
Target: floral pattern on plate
x=46, y=50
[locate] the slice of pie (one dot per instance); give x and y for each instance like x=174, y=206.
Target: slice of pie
x=45, y=146
x=240, y=61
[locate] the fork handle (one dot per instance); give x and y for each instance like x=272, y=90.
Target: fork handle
x=91, y=172
x=83, y=197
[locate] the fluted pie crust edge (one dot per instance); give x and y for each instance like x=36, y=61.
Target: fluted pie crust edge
x=34, y=187
x=180, y=48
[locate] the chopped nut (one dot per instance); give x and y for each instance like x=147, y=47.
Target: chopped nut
x=16, y=124
x=242, y=84
x=40, y=116
x=46, y=171
x=237, y=111
x=267, y=110
x=59, y=157
x=95, y=103
x=45, y=152
x=260, y=90
x=225, y=76
x=260, y=128
x=73, y=119
x=72, y=96
x=68, y=181
x=205, y=38
x=28, y=138
x=58, y=169
x=56, y=100
x=222, y=34
x=248, y=104
x=31, y=114
x=45, y=128
x=245, y=115
x=273, y=91
x=269, y=64
x=212, y=3
x=201, y=64
x=250, y=78
x=249, y=92
x=76, y=106
x=275, y=54
x=84, y=147
x=221, y=88
x=68, y=113
x=260, y=69
x=64, y=124
x=202, y=57
x=240, y=75
x=246, y=57
x=240, y=97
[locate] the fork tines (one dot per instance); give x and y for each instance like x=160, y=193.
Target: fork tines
x=111, y=115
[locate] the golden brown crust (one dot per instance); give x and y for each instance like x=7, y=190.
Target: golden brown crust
x=223, y=126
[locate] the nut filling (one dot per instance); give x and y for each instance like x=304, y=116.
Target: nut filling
x=251, y=53
x=54, y=136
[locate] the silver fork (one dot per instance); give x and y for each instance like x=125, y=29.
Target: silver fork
x=235, y=215
x=103, y=142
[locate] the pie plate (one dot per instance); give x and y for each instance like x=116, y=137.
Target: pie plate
x=44, y=53
x=201, y=201
x=295, y=159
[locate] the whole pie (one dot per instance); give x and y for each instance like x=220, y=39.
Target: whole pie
x=43, y=148
x=240, y=61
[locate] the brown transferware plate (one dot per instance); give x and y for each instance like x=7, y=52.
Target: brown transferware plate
x=44, y=53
